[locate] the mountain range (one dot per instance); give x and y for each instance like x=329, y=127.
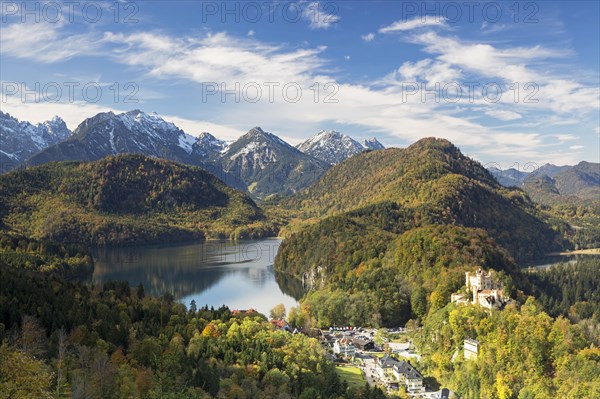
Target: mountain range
x=550, y=184
x=20, y=140
x=259, y=162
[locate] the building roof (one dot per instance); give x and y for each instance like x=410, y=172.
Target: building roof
x=386, y=361
x=404, y=367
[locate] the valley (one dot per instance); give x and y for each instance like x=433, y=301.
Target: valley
x=132, y=207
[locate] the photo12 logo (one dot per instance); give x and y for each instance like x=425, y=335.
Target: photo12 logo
x=70, y=92
x=69, y=11
x=453, y=92
x=254, y=92
x=220, y=251
x=316, y=13
x=471, y=11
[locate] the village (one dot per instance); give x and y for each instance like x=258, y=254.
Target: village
x=387, y=358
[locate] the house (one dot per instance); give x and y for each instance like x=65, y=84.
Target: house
x=409, y=376
x=281, y=325
x=397, y=373
x=363, y=344
x=471, y=347
x=344, y=347
x=385, y=368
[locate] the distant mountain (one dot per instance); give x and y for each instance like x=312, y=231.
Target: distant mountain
x=510, y=177
x=267, y=165
x=136, y=132
x=549, y=170
x=133, y=132
x=550, y=184
x=207, y=146
x=372, y=144
x=331, y=146
x=569, y=184
x=125, y=199
x=334, y=147
x=21, y=140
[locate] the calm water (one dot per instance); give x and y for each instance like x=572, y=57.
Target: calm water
x=237, y=274
x=551, y=261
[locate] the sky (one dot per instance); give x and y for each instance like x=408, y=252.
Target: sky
x=513, y=84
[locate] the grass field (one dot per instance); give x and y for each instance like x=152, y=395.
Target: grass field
x=352, y=375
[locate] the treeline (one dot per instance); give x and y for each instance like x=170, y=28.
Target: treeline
x=571, y=290
x=523, y=353
x=18, y=251
x=68, y=340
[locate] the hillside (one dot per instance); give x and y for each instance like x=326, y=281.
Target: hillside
x=388, y=222
x=124, y=200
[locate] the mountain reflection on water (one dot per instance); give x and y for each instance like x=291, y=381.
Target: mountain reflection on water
x=238, y=274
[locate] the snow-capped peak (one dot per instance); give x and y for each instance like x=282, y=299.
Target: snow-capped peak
x=206, y=145
x=20, y=139
x=331, y=146
x=372, y=144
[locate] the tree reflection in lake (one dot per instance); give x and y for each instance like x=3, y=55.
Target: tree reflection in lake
x=238, y=274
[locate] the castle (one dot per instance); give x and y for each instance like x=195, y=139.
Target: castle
x=487, y=290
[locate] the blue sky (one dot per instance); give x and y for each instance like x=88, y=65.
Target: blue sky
x=511, y=83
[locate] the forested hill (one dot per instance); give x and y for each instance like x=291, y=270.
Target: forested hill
x=434, y=182
x=395, y=223
x=123, y=200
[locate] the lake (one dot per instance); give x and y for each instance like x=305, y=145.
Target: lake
x=552, y=261
x=238, y=274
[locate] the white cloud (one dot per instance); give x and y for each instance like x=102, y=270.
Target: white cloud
x=503, y=115
x=525, y=66
x=487, y=28
x=426, y=70
x=250, y=33
x=416, y=23
x=46, y=42
x=369, y=37
x=376, y=107
x=215, y=58
x=576, y=147
x=319, y=17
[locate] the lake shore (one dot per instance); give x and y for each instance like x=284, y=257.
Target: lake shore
x=590, y=251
